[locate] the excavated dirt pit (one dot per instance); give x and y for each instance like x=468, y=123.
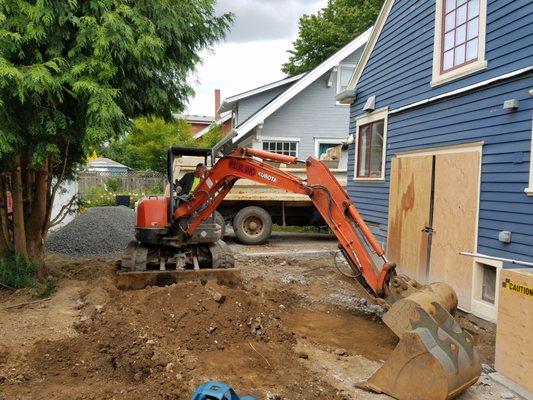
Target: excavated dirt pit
x=294, y=329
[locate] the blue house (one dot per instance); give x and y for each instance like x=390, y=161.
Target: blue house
x=441, y=123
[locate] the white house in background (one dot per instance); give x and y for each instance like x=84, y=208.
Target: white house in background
x=299, y=115
x=102, y=164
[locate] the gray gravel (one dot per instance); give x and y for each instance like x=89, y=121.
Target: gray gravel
x=98, y=231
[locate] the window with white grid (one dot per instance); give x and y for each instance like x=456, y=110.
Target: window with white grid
x=286, y=148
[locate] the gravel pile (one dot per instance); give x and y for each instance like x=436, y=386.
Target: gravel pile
x=98, y=231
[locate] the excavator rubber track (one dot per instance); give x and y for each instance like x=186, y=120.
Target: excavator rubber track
x=134, y=272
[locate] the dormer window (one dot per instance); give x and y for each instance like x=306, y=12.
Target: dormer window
x=459, y=39
x=344, y=74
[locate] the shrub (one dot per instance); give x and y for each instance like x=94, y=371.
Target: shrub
x=15, y=272
x=102, y=197
x=114, y=184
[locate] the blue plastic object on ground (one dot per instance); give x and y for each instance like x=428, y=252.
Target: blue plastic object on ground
x=217, y=391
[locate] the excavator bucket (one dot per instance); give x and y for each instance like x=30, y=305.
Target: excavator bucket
x=435, y=359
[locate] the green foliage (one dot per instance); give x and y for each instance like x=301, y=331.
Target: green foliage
x=212, y=137
x=114, y=184
x=103, y=197
x=145, y=146
x=73, y=73
x=44, y=288
x=323, y=34
x=15, y=272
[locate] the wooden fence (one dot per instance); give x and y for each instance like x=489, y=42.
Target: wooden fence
x=136, y=182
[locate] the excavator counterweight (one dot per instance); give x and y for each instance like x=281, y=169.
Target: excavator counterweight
x=177, y=236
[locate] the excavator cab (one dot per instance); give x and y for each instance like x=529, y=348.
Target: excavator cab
x=164, y=252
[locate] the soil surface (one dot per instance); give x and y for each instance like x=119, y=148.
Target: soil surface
x=295, y=328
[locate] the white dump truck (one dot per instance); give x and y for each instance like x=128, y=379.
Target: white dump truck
x=251, y=209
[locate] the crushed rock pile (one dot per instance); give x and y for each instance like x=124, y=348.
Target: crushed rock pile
x=98, y=231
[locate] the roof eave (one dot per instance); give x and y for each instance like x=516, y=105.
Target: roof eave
x=302, y=83
x=347, y=96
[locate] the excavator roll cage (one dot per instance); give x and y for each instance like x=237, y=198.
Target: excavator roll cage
x=357, y=243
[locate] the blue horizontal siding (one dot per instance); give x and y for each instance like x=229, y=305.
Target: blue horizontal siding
x=399, y=70
x=470, y=117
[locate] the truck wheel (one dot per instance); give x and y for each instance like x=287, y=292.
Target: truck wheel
x=219, y=219
x=252, y=225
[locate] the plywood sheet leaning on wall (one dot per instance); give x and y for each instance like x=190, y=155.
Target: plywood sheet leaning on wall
x=454, y=221
x=409, y=210
x=514, y=332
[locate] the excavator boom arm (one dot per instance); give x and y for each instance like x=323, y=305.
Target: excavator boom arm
x=329, y=197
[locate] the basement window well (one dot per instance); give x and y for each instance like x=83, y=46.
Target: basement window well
x=485, y=291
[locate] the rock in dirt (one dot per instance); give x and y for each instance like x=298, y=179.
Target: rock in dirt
x=98, y=231
x=340, y=352
x=214, y=291
x=303, y=355
x=79, y=304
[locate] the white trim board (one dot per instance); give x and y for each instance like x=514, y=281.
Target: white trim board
x=529, y=189
x=279, y=138
x=463, y=89
x=230, y=100
x=373, y=38
x=431, y=151
x=304, y=82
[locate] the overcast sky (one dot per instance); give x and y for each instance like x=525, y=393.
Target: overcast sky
x=254, y=50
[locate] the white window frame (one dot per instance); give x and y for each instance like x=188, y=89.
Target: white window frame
x=320, y=140
x=381, y=114
x=479, y=307
x=282, y=140
x=438, y=77
x=529, y=190
x=339, y=67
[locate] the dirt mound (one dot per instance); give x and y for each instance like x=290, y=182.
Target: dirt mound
x=98, y=231
x=163, y=342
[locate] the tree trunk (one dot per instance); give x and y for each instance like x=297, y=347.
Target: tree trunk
x=18, y=212
x=5, y=239
x=4, y=247
x=36, y=219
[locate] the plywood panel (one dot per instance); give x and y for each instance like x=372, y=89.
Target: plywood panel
x=455, y=221
x=409, y=209
x=514, y=332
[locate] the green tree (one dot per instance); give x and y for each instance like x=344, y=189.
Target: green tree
x=72, y=74
x=212, y=137
x=145, y=146
x=323, y=34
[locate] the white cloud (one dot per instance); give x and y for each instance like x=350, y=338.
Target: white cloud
x=266, y=19
x=255, y=50
x=235, y=68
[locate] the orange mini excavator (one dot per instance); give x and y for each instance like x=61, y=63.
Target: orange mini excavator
x=434, y=359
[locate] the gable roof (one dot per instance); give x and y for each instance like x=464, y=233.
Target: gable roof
x=230, y=101
x=374, y=36
x=223, y=118
x=102, y=162
x=300, y=85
